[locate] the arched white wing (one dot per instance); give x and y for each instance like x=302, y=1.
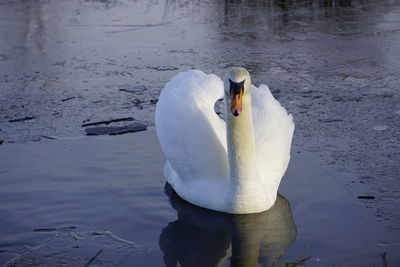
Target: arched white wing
x=191, y=134
x=273, y=131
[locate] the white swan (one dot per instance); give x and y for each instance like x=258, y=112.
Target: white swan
x=233, y=167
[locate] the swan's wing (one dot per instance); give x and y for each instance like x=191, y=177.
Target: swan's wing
x=273, y=132
x=191, y=134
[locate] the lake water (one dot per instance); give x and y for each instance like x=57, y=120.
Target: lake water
x=63, y=201
x=333, y=64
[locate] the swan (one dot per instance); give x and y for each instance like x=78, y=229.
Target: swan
x=233, y=166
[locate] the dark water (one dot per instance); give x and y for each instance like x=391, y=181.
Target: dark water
x=82, y=195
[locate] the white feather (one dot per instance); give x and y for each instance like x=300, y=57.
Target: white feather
x=193, y=138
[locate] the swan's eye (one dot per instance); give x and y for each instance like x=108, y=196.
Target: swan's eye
x=236, y=88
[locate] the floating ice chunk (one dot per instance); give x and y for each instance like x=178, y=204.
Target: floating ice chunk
x=380, y=127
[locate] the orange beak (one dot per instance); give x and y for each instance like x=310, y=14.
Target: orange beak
x=236, y=103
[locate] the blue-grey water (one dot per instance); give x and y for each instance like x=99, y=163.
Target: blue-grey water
x=64, y=200
x=334, y=64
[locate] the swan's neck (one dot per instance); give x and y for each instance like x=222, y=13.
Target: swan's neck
x=241, y=148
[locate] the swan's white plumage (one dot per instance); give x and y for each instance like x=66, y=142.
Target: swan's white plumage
x=273, y=132
x=193, y=139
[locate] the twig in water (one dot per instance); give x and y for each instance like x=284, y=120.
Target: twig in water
x=384, y=259
x=366, y=197
x=48, y=137
x=299, y=262
x=26, y=118
x=66, y=99
x=93, y=258
x=108, y=121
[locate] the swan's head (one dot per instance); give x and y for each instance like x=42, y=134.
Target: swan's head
x=237, y=84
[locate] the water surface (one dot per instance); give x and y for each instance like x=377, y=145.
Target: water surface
x=334, y=64
x=59, y=196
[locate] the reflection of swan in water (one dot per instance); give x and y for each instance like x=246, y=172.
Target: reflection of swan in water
x=201, y=237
